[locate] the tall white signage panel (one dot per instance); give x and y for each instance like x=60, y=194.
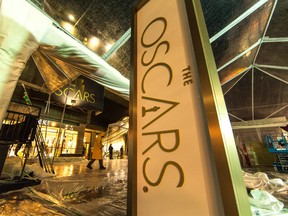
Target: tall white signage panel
x=175, y=167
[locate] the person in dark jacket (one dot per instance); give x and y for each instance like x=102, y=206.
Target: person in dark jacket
x=110, y=151
x=121, y=152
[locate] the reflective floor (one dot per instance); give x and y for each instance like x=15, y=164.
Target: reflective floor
x=74, y=190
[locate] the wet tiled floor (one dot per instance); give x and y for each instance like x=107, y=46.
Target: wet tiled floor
x=74, y=190
x=77, y=190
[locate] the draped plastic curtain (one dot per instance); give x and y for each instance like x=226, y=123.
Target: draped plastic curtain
x=24, y=29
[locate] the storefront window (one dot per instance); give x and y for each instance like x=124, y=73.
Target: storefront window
x=86, y=145
x=50, y=136
x=67, y=140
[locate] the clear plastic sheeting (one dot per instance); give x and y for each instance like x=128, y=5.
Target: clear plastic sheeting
x=77, y=190
x=13, y=167
x=264, y=200
x=74, y=190
x=267, y=195
x=261, y=181
x=254, y=134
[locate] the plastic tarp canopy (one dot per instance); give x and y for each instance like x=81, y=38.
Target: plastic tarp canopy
x=248, y=39
x=249, y=43
x=26, y=31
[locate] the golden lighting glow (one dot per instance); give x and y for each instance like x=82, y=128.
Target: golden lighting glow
x=69, y=27
x=71, y=17
x=53, y=124
x=66, y=171
x=108, y=46
x=248, y=53
x=71, y=101
x=93, y=42
x=232, y=74
x=85, y=41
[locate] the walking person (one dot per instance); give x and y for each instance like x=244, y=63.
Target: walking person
x=110, y=151
x=121, y=152
x=97, y=152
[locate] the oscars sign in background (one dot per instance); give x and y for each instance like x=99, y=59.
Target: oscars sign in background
x=174, y=168
x=83, y=93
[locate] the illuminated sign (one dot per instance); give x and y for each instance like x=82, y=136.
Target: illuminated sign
x=173, y=154
x=179, y=164
x=83, y=93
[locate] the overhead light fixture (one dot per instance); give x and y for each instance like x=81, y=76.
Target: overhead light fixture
x=68, y=26
x=71, y=17
x=248, y=53
x=93, y=43
x=108, y=46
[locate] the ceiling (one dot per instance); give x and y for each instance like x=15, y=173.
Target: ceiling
x=249, y=42
x=248, y=38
